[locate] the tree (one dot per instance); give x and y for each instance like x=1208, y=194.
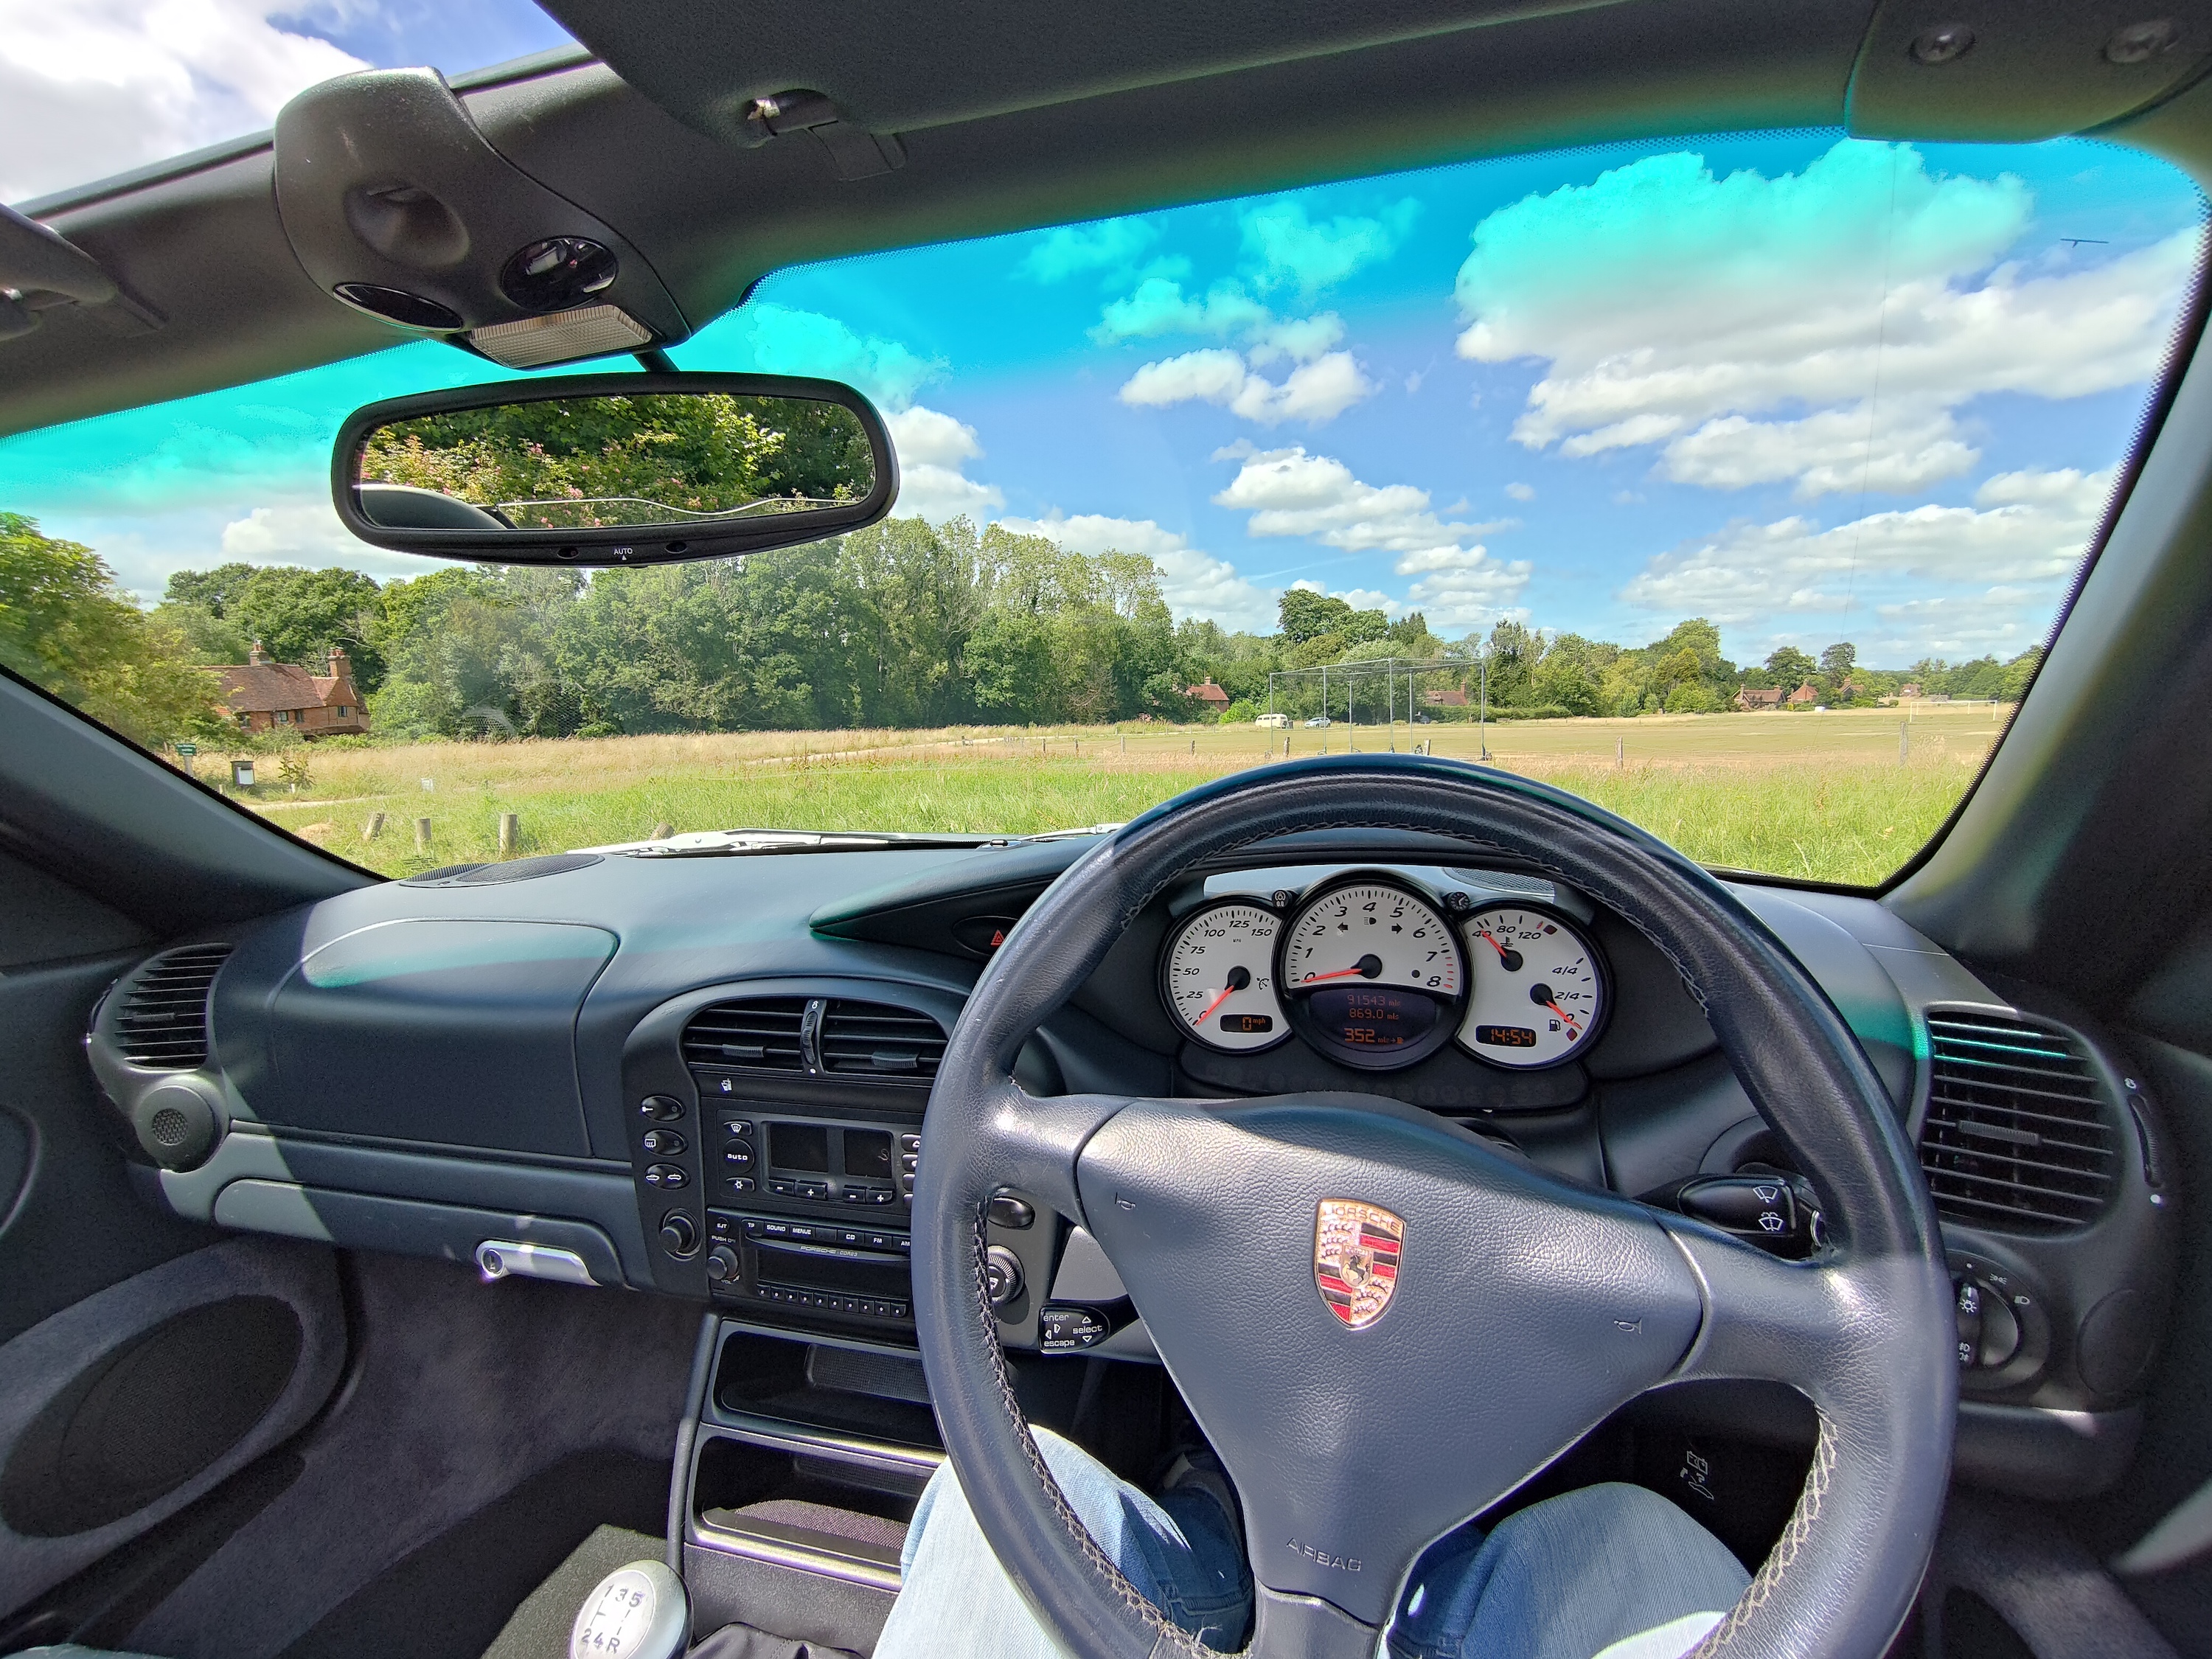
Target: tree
x=1837, y=661
x=66, y=626
x=1790, y=667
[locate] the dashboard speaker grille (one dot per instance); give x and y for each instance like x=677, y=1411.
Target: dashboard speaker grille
x=757, y=1034
x=163, y=1021
x=2020, y=1132
x=873, y=1039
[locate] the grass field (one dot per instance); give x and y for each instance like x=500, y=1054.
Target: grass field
x=1826, y=796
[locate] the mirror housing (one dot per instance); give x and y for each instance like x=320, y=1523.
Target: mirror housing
x=601, y=470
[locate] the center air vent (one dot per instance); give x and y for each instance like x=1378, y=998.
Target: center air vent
x=2021, y=1131
x=873, y=1039
x=163, y=1022
x=760, y=1034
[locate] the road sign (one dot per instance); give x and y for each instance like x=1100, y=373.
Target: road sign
x=188, y=750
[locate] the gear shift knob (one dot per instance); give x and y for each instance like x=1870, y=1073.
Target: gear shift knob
x=636, y=1611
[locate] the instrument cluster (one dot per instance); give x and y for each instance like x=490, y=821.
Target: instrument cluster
x=1372, y=972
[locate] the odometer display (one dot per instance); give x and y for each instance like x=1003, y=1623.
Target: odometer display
x=1371, y=974
x=1375, y=1019
x=1537, y=991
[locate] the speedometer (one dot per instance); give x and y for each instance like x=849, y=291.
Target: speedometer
x=1217, y=977
x=1371, y=974
x=1539, y=992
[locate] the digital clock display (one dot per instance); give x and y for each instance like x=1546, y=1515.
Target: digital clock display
x=1505, y=1036
x=1370, y=1017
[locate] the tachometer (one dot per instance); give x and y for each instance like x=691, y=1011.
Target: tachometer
x=1539, y=993
x=1217, y=977
x=1371, y=974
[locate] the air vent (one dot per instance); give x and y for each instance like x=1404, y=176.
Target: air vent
x=2019, y=1133
x=163, y=1022
x=873, y=1039
x=760, y=1034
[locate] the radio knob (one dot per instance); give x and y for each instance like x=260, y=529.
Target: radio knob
x=678, y=1236
x=1002, y=1275
x=721, y=1264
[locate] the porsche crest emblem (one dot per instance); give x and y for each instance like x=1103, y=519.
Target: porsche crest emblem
x=1356, y=1250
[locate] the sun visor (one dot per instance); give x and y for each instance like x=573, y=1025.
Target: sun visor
x=398, y=206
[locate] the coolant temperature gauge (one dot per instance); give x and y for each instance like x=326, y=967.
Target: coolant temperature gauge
x=1217, y=977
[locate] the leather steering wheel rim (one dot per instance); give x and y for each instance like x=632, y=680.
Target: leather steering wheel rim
x=1567, y=1303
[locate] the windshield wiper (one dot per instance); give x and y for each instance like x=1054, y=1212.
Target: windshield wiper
x=740, y=843
x=737, y=844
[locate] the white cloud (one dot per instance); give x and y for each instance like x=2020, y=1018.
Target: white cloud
x=1158, y=306
x=931, y=446
x=1315, y=393
x=1522, y=492
x=1671, y=306
x=1287, y=492
x=88, y=87
x=296, y=530
x=925, y=437
x=1286, y=248
x=1291, y=493
x=2028, y=529
x=939, y=493
x=1193, y=582
x=1109, y=244
x=1896, y=448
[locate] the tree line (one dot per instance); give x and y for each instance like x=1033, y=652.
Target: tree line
x=902, y=624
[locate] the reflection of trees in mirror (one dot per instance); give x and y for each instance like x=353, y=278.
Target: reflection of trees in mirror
x=579, y=463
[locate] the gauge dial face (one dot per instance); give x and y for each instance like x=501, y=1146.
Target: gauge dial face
x=1218, y=974
x=1373, y=974
x=1537, y=993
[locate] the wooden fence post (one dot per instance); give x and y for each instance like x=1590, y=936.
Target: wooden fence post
x=510, y=831
x=421, y=835
x=373, y=828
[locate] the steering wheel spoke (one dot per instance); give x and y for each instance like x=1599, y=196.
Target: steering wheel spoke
x=1382, y=1324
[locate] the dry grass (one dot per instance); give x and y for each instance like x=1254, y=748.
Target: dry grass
x=1816, y=795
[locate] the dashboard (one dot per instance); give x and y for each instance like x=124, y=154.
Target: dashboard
x=707, y=1077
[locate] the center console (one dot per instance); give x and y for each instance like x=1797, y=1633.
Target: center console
x=776, y=1133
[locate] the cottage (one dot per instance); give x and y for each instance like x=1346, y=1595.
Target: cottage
x=1452, y=697
x=1211, y=695
x=266, y=696
x=1803, y=697
x=1758, y=697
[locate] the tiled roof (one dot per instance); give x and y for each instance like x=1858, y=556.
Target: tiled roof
x=265, y=687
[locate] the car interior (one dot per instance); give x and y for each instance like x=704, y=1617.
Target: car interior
x=384, y=1262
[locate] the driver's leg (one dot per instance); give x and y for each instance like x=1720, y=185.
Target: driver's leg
x=957, y=1600
x=1607, y=1572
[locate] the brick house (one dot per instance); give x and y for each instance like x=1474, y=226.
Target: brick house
x=1803, y=697
x=265, y=695
x=1759, y=697
x=1450, y=697
x=1209, y=694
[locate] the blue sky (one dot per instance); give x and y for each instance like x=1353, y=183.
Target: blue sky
x=1814, y=389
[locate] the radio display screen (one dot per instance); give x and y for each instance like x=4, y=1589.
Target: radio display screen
x=799, y=1146
x=862, y=1275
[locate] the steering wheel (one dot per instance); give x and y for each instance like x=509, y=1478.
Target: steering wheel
x=1526, y=1309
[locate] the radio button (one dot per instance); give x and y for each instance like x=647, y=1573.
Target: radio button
x=785, y=1188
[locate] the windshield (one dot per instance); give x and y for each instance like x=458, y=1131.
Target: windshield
x=1735, y=484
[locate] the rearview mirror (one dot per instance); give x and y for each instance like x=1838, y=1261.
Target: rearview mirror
x=614, y=468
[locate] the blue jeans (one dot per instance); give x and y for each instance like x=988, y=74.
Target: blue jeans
x=1607, y=1572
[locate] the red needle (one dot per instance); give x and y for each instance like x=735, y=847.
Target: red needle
x=1484, y=934
x=1219, y=997
x=1341, y=973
